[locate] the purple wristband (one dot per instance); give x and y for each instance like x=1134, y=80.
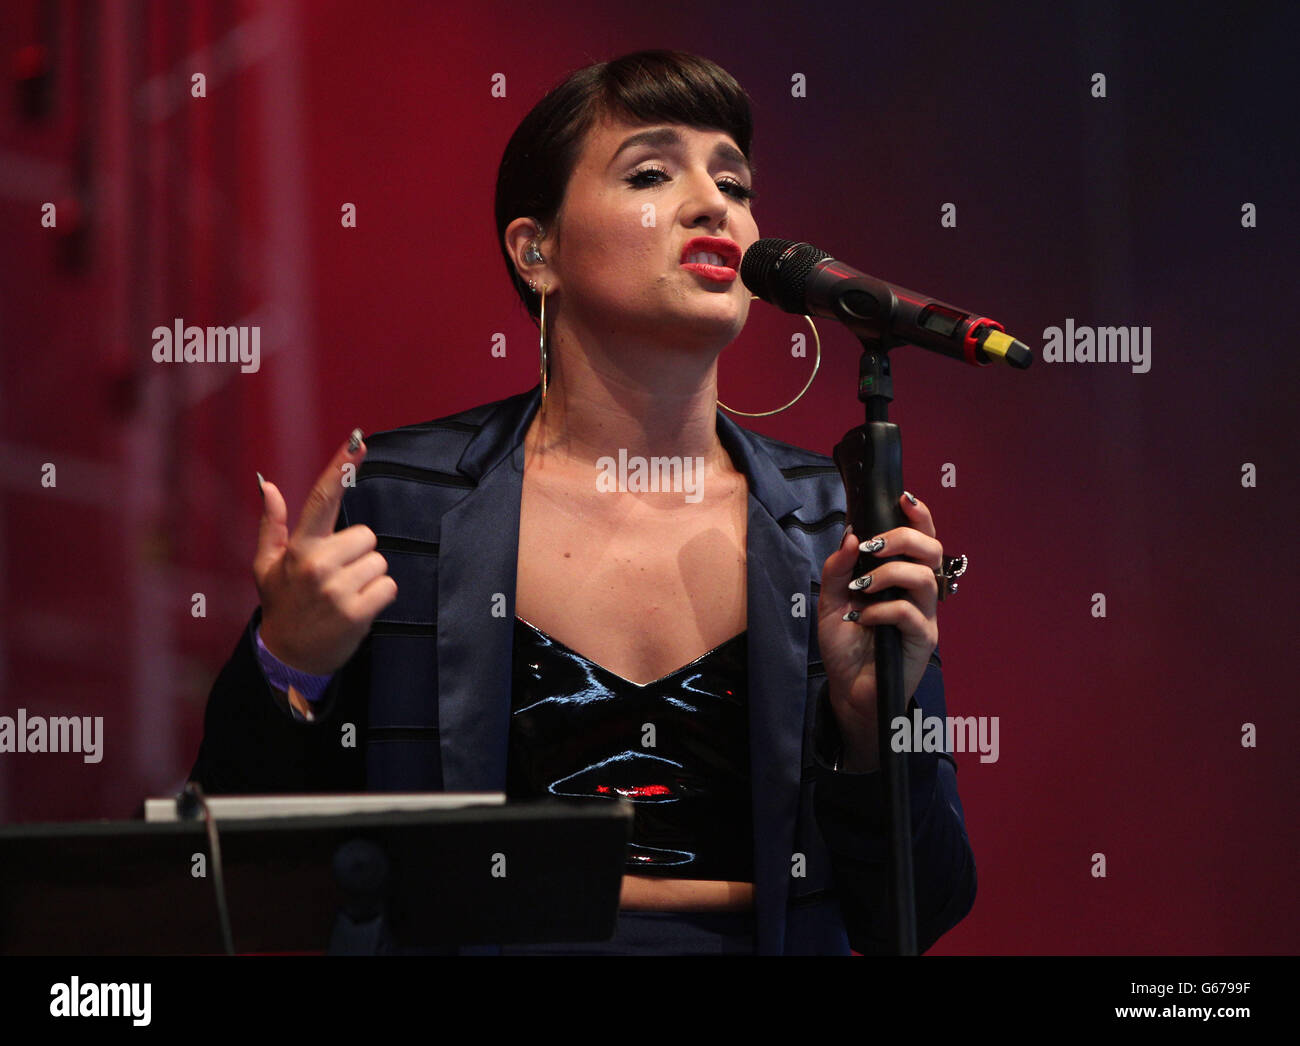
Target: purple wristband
x=281, y=676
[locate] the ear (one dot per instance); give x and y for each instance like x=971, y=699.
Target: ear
x=521, y=234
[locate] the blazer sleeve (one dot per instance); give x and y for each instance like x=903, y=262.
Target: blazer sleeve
x=253, y=743
x=851, y=814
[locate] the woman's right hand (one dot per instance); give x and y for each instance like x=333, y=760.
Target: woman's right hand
x=319, y=590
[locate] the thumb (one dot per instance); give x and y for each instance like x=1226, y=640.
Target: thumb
x=837, y=572
x=272, y=530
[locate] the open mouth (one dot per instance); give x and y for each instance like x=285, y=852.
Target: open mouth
x=712, y=257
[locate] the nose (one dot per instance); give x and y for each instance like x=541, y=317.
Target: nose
x=708, y=206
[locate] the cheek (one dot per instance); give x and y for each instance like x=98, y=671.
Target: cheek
x=746, y=231
x=620, y=247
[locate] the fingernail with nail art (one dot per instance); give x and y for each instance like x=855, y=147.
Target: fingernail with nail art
x=852, y=615
x=354, y=441
x=873, y=546
x=910, y=497
x=860, y=583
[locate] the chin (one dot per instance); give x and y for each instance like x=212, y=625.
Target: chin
x=714, y=331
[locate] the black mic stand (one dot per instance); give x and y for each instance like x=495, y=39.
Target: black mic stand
x=870, y=460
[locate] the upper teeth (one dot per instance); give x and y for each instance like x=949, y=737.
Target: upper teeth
x=706, y=258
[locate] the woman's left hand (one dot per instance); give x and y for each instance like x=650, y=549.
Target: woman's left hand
x=848, y=647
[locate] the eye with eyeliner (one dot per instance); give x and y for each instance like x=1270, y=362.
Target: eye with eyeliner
x=733, y=188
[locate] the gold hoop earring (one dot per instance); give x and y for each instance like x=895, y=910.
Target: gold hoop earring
x=545, y=361
x=816, y=367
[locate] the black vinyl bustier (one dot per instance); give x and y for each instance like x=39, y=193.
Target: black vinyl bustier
x=579, y=730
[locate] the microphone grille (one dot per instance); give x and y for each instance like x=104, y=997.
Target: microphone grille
x=777, y=270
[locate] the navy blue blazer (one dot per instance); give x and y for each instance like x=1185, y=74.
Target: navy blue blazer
x=429, y=688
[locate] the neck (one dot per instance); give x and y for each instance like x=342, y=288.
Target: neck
x=642, y=398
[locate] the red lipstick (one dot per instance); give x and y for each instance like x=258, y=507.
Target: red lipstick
x=720, y=258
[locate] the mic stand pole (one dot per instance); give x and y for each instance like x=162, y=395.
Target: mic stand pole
x=870, y=462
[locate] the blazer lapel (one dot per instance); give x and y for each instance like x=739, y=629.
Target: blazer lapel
x=777, y=570
x=478, y=553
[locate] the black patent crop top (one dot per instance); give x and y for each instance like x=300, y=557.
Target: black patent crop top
x=677, y=748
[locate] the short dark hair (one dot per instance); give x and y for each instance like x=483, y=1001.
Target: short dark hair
x=646, y=87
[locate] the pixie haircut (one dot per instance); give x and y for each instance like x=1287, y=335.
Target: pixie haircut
x=645, y=87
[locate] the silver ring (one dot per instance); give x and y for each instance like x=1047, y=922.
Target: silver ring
x=953, y=568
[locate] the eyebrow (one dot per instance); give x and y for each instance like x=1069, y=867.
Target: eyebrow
x=664, y=136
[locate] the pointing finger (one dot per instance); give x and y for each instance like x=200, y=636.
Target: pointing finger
x=321, y=511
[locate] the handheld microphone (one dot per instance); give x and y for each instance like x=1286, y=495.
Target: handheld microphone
x=799, y=278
